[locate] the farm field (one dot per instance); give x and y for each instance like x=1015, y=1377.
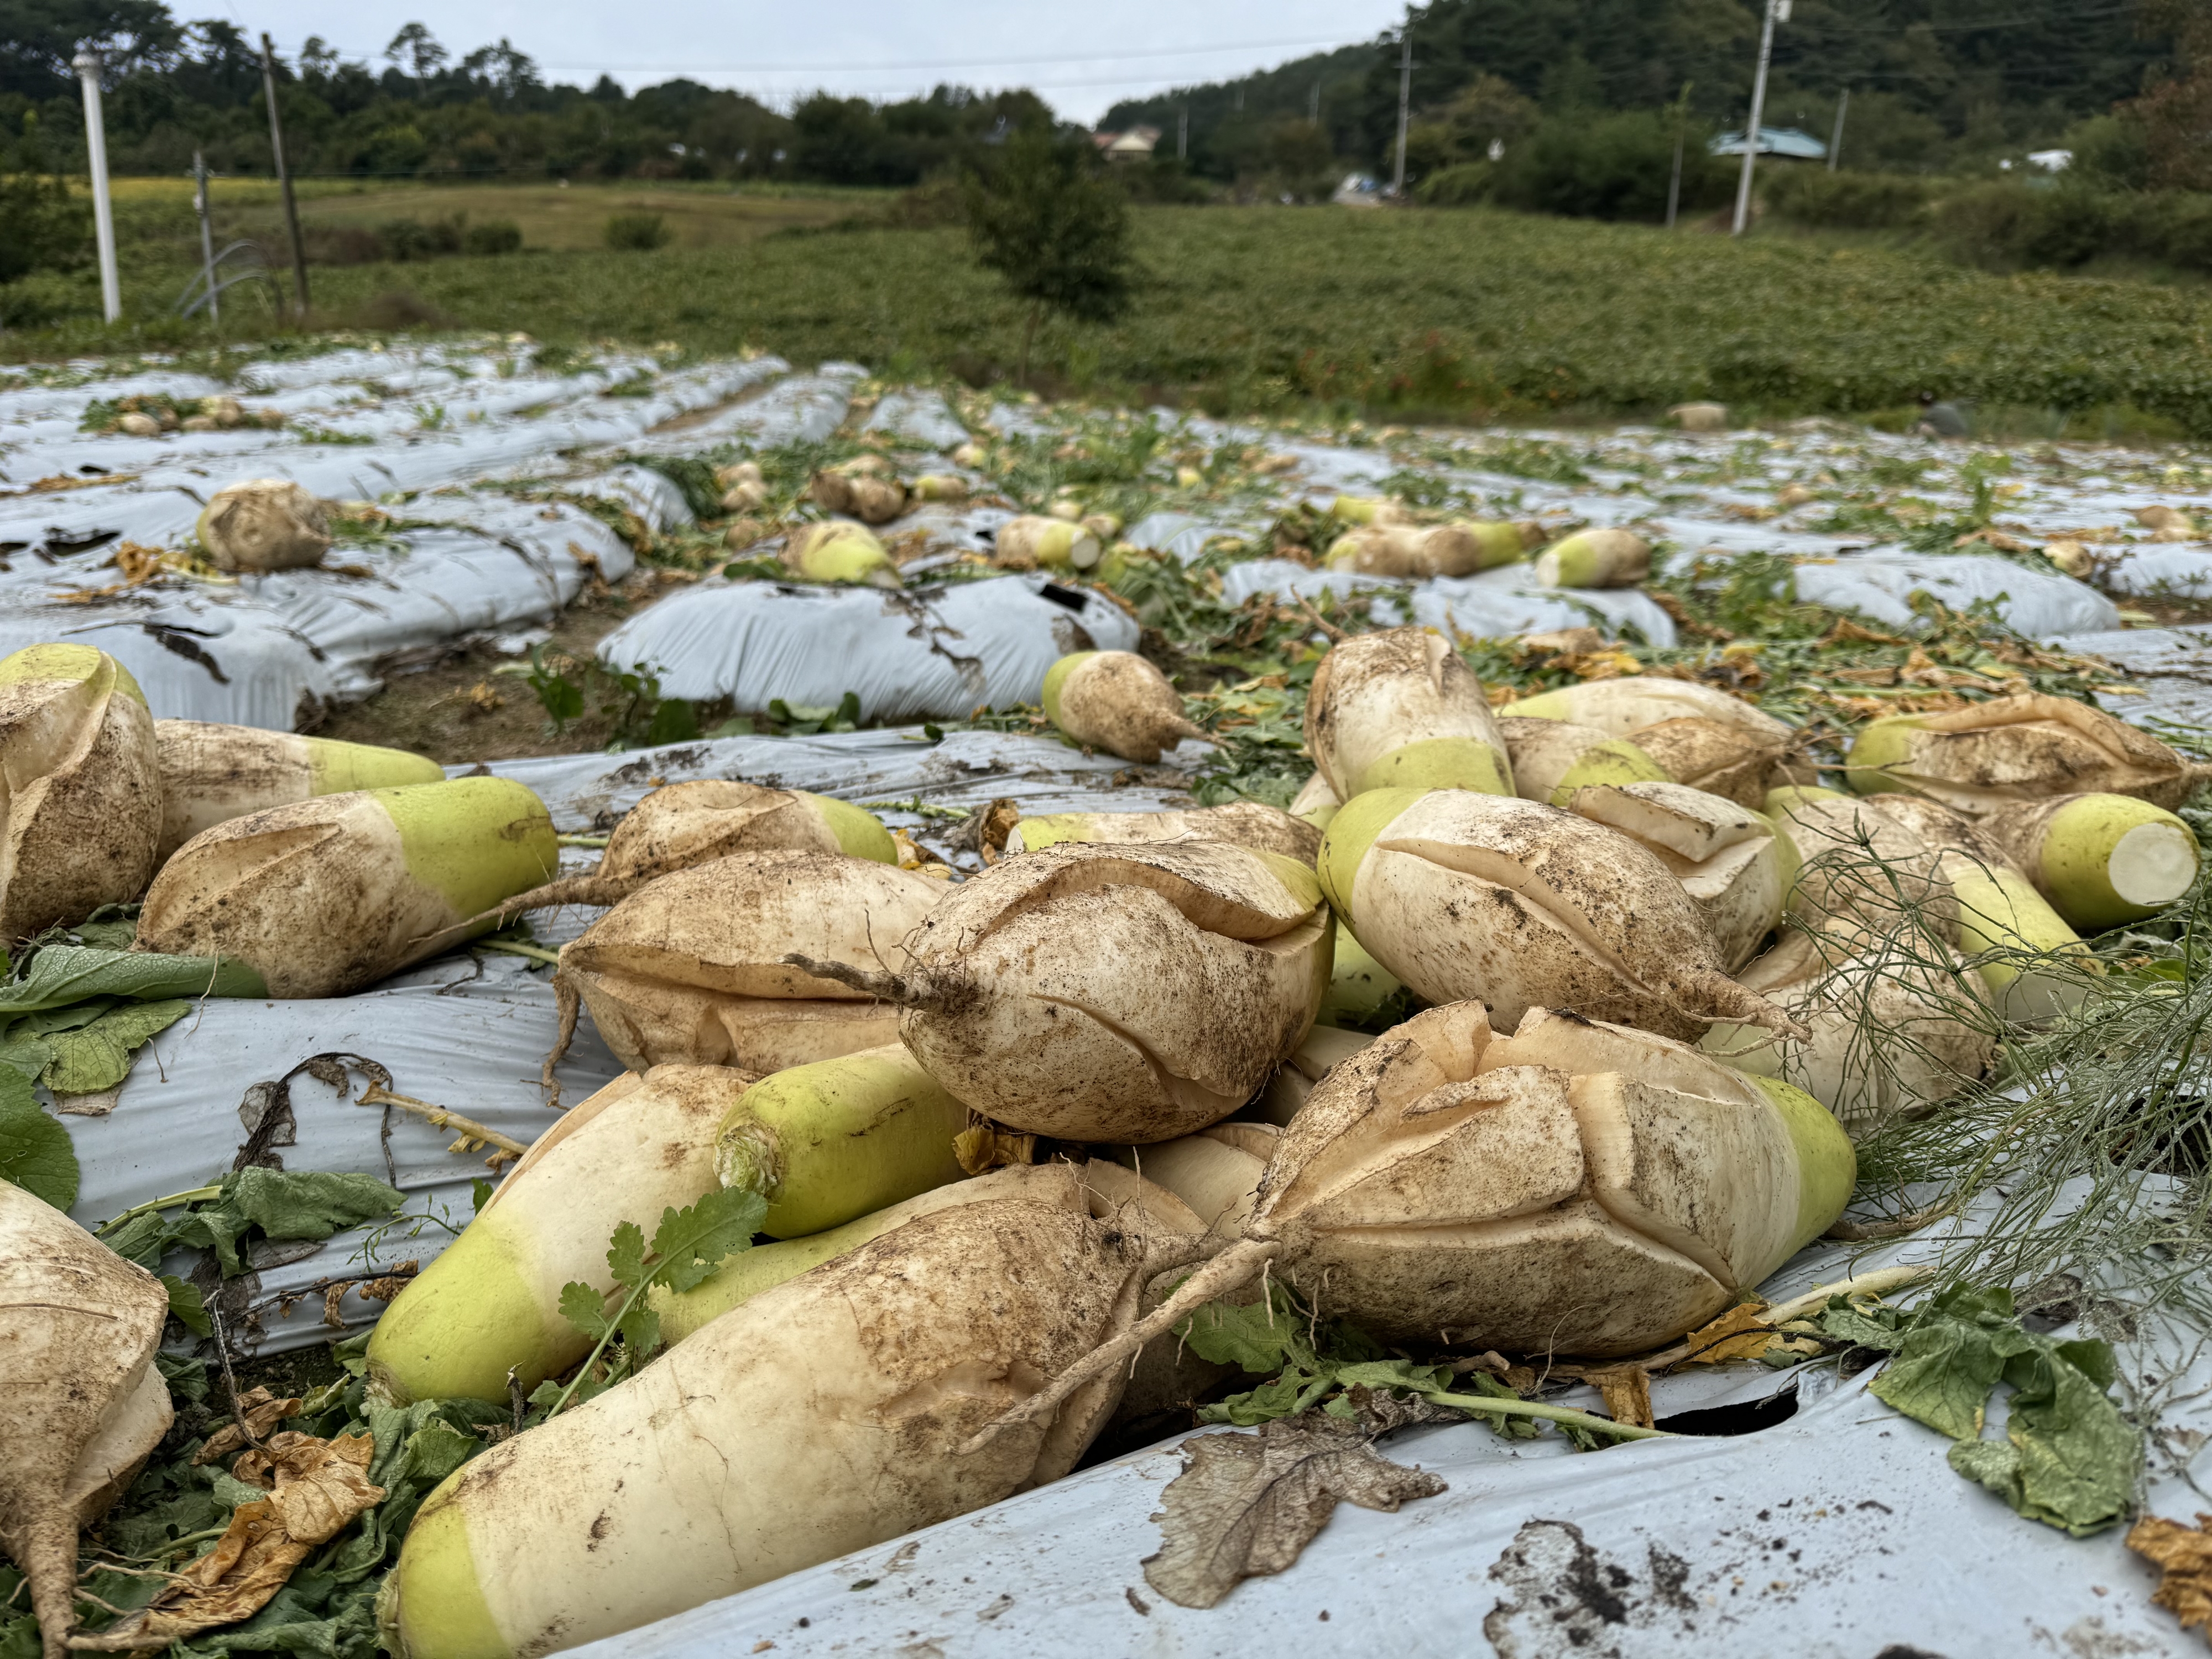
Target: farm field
x=1475, y=314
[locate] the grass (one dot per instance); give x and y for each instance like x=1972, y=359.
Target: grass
x=1472, y=314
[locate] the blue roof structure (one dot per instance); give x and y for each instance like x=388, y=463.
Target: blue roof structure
x=1785, y=142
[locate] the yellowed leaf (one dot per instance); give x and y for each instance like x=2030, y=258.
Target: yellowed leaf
x=1627, y=1391
x=316, y=1489
x=1741, y=1333
x=263, y=1412
x=2184, y=1555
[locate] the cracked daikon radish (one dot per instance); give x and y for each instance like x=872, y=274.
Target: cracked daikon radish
x=212, y=774
x=2015, y=751
x=1243, y=823
x=85, y=1404
x=1551, y=759
x=1117, y=701
x=1126, y=995
x=1727, y=857
x=1715, y=755
x=1619, y=708
x=1514, y=904
x=1292, y=1084
x=83, y=805
x=326, y=896
x=264, y=524
x=1400, y=709
x=690, y=967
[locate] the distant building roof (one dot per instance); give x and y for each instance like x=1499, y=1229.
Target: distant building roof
x=1785, y=142
x=1136, y=141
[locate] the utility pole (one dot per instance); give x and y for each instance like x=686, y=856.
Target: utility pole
x=1681, y=137
x=1778, y=12
x=284, y=174
x=1836, y=142
x=86, y=65
x=1313, y=113
x=1405, y=102
x=207, y=234
x=1182, y=135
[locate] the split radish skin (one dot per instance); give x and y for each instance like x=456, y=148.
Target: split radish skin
x=1292, y=1086
x=1243, y=822
x=212, y=774
x=1117, y=701
x=830, y=1141
x=2102, y=860
x=1031, y=542
x=325, y=897
x=1124, y=994
x=1551, y=759
x=684, y=825
x=85, y=1405
x=1596, y=558
x=823, y=1416
x=83, y=805
x=1514, y=904
x=1728, y=858
x=1893, y=1031
x=1400, y=709
x=690, y=967
x=1618, y=707
x=2018, y=750
x=839, y=550
x=1576, y=1188
x=490, y=1305
x=1715, y=755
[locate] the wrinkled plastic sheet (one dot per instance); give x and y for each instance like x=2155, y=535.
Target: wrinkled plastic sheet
x=433, y=433
x=2170, y=668
x=922, y=418
x=1495, y=605
x=2039, y=603
x=1839, y=1533
x=926, y=651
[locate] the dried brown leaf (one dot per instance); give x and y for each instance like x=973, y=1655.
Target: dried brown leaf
x=1627, y=1391
x=1247, y=1505
x=2184, y=1555
x=1741, y=1333
x=317, y=1487
x=263, y=1412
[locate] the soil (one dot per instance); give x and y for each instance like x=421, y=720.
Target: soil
x=448, y=701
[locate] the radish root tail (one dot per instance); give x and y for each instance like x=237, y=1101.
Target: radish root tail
x=571, y=1002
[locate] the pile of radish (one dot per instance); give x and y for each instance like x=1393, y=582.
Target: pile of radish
x=1007, y=1132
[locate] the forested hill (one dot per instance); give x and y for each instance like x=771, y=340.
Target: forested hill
x=1932, y=81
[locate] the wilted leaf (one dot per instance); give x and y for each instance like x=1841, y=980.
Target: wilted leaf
x=35, y=1151
x=1259, y=1336
x=1627, y=1391
x=311, y=1204
x=188, y=1306
x=317, y=1487
x=64, y=973
x=1741, y=1333
x=97, y=1057
x=1951, y=1358
x=1247, y=1505
x=2183, y=1557
x=263, y=1412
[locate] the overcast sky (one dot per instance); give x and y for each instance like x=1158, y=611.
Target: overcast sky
x=1081, y=56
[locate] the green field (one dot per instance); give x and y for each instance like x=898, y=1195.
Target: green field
x=1465, y=314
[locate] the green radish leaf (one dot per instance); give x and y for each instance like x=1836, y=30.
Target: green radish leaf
x=22, y=1051
x=586, y=1309
x=641, y=1333
x=480, y=1194
x=188, y=1306
x=98, y=1056
x=1954, y=1355
x=310, y=1204
x=35, y=1151
x=434, y=1451
x=217, y=1227
x=64, y=973
x=1259, y=1336
x=626, y=1255
x=690, y=1244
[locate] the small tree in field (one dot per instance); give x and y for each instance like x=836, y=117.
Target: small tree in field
x=1055, y=229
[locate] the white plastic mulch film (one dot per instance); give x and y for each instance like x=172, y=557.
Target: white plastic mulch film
x=501, y=468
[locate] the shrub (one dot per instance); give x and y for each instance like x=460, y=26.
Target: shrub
x=493, y=236
x=410, y=239
x=1609, y=167
x=1054, y=230
x=2008, y=224
x=1845, y=200
x=639, y=233
x=42, y=226
x=343, y=245
x=1465, y=184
